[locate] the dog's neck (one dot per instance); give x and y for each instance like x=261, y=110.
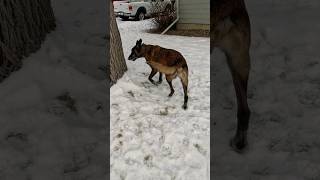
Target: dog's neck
x=144, y=48
x=145, y=51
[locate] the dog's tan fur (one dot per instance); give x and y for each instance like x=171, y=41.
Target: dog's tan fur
x=167, y=61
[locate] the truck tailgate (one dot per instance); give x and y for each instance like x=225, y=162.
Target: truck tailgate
x=121, y=6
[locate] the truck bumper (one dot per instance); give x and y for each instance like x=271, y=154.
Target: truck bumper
x=122, y=14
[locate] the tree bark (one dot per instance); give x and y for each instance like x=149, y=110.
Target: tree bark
x=117, y=62
x=23, y=27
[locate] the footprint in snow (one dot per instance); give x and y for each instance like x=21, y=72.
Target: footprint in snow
x=148, y=161
x=200, y=149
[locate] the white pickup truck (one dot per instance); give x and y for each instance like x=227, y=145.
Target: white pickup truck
x=139, y=9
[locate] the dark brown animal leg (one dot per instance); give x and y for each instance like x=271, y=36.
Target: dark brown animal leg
x=169, y=80
x=233, y=38
x=239, y=63
x=160, y=77
x=185, y=90
x=183, y=75
x=240, y=139
x=230, y=31
x=153, y=72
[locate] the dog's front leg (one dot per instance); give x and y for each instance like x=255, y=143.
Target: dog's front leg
x=153, y=72
x=160, y=78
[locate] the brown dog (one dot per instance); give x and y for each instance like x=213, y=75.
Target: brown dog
x=167, y=61
x=230, y=31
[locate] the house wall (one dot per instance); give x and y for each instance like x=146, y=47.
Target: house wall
x=194, y=14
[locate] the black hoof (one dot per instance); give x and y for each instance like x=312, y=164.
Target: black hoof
x=159, y=82
x=239, y=143
x=170, y=94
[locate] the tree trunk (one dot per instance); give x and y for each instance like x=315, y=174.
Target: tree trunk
x=23, y=26
x=117, y=62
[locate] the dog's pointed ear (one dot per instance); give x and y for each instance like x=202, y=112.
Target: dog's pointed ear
x=139, y=42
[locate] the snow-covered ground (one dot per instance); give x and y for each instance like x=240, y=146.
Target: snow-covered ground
x=152, y=137
x=53, y=110
x=284, y=90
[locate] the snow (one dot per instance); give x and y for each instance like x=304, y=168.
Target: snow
x=284, y=95
x=151, y=136
x=53, y=110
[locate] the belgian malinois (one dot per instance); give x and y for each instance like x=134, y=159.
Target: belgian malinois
x=230, y=31
x=167, y=61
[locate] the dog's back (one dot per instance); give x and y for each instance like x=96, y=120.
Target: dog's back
x=165, y=57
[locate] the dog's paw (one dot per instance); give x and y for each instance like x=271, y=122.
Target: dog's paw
x=184, y=106
x=155, y=83
x=171, y=93
x=239, y=144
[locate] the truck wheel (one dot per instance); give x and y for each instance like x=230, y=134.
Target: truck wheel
x=140, y=15
x=124, y=18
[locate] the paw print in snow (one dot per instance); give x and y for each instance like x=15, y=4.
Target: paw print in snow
x=148, y=160
x=165, y=150
x=185, y=141
x=200, y=149
x=162, y=139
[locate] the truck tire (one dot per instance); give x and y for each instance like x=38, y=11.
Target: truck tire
x=124, y=18
x=141, y=14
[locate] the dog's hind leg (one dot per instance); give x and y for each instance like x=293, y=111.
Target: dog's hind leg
x=169, y=79
x=236, y=48
x=183, y=75
x=153, y=72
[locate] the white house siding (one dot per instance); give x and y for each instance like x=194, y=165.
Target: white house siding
x=194, y=14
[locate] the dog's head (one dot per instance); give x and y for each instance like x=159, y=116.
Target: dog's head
x=136, y=51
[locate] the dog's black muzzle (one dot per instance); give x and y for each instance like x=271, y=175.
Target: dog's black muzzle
x=132, y=58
